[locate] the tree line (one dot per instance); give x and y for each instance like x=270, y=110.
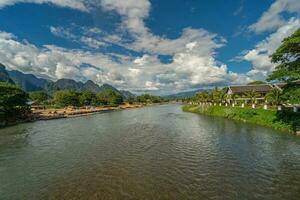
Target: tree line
x=16, y=104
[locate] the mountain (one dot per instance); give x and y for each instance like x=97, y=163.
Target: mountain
x=4, y=76
x=108, y=87
x=65, y=84
x=91, y=86
x=182, y=95
x=126, y=94
x=29, y=82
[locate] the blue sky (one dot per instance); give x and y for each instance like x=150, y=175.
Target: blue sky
x=150, y=46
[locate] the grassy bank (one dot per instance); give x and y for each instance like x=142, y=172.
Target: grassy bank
x=283, y=121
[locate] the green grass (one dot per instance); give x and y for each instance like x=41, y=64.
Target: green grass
x=283, y=121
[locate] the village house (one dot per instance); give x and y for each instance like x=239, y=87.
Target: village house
x=242, y=91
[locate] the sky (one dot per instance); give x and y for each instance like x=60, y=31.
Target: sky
x=146, y=46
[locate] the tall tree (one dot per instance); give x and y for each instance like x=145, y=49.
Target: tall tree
x=12, y=102
x=274, y=96
x=287, y=56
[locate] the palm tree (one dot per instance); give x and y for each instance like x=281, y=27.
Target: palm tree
x=233, y=98
x=274, y=96
x=252, y=96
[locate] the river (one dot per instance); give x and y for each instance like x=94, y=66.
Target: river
x=154, y=152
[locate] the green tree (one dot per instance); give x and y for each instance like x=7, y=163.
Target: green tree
x=252, y=95
x=87, y=98
x=13, y=102
x=287, y=56
x=256, y=83
x=291, y=94
x=131, y=100
x=39, y=97
x=65, y=98
x=109, y=97
x=274, y=96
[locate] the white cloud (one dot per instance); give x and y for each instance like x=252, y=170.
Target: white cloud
x=74, y=4
x=259, y=56
x=193, y=54
x=272, y=18
x=83, y=39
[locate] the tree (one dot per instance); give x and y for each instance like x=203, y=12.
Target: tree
x=87, y=98
x=252, y=96
x=109, y=97
x=65, y=98
x=287, y=56
x=274, y=96
x=13, y=102
x=131, y=100
x=39, y=97
x=233, y=97
x=291, y=94
x=256, y=83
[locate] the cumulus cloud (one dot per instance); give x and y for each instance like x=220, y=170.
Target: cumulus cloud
x=260, y=55
x=272, y=18
x=193, y=53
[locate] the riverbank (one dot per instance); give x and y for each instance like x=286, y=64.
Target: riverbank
x=282, y=121
x=55, y=113
x=68, y=112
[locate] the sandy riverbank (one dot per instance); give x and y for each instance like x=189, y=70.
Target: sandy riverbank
x=56, y=113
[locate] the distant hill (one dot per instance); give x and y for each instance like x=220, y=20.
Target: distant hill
x=126, y=94
x=182, y=95
x=65, y=84
x=29, y=83
x=4, y=76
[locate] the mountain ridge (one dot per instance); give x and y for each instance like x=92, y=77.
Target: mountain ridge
x=30, y=83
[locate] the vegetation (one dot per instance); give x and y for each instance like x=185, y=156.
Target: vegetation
x=39, y=97
x=274, y=97
x=12, y=102
x=146, y=98
x=285, y=121
x=257, y=83
x=109, y=97
x=287, y=56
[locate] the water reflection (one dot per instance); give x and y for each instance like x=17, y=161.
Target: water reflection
x=150, y=153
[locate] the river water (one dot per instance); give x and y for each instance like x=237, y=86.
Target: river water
x=155, y=153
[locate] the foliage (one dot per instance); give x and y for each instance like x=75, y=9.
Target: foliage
x=288, y=58
x=40, y=97
x=252, y=95
x=12, y=102
x=87, y=98
x=131, y=100
x=286, y=121
x=274, y=96
x=291, y=94
x=256, y=83
x=216, y=96
x=109, y=97
x=147, y=98
x=65, y=98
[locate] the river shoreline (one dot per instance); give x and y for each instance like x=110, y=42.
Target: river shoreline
x=41, y=114
x=285, y=122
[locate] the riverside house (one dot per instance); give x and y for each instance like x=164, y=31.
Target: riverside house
x=242, y=90
x=260, y=90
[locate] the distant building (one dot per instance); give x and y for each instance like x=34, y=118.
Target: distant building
x=261, y=90
x=242, y=90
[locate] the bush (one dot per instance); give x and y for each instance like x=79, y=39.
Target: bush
x=13, y=102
